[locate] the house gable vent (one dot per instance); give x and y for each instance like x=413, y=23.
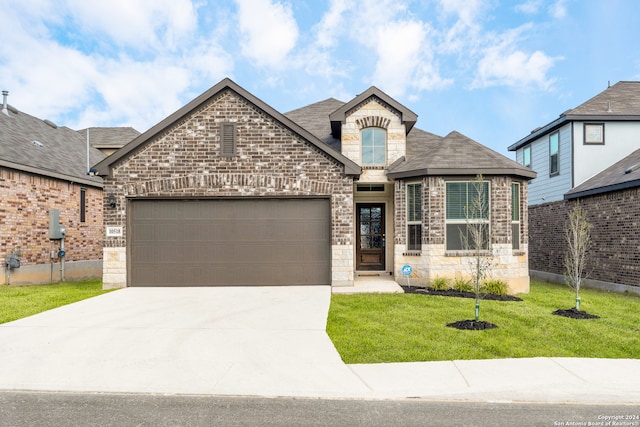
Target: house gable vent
x=228, y=139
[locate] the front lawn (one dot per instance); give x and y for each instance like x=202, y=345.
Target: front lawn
x=374, y=328
x=17, y=302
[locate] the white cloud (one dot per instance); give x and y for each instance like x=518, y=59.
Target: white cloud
x=269, y=31
x=558, y=10
x=504, y=64
x=331, y=23
x=530, y=7
x=405, y=59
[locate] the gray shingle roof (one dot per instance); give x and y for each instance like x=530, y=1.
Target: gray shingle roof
x=315, y=119
x=454, y=154
x=32, y=145
x=621, y=99
x=109, y=137
x=427, y=153
x=614, y=178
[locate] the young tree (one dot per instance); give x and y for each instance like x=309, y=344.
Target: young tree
x=476, y=235
x=578, y=238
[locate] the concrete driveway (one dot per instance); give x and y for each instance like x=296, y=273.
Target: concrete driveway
x=263, y=341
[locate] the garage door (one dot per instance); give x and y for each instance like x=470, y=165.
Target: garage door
x=247, y=242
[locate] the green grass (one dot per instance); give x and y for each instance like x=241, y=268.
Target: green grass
x=374, y=328
x=17, y=302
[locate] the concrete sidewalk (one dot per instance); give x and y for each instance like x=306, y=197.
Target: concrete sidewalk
x=263, y=342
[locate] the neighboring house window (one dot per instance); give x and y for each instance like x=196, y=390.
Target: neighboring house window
x=228, y=139
x=467, y=205
x=553, y=153
x=83, y=204
x=374, y=141
x=526, y=156
x=414, y=217
x=594, y=133
x=515, y=215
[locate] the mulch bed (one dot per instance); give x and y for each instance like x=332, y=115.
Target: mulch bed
x=575, y=314
x=453, y=293
x=472, y=325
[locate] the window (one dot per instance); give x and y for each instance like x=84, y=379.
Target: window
x=594, y=133
x=228, y=139
x=373, y=146
x=467, y=219
x=526, y=156
x=515, y=215
x=370, y=187
x=553, y=153
x=414, y=217
x=83, y=204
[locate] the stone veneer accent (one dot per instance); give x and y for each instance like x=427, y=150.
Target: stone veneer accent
x=271, y=160
x=434, y=260
x=24, y=218
x=614, y=257
x=373, y=112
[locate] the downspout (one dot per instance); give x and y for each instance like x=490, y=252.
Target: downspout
x=88, y=162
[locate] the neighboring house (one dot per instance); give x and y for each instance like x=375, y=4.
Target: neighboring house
x=582, y=157
x=43, y=170
x=228, y=191
x=612, y=202
x=581, y=142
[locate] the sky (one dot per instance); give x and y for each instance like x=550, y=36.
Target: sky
x=492, y=70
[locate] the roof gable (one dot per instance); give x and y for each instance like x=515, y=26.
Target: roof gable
x=454, y=154
x=338, y=117
x=104, y=167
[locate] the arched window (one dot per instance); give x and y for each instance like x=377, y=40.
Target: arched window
x=374, y=151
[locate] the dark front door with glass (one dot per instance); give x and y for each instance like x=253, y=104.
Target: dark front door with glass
x=370, y=239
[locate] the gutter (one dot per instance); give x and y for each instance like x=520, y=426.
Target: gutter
x=51, y=174
x=601, y=190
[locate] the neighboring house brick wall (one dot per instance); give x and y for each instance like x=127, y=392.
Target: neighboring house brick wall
x=271, y=161
x=24, y=221
x=613, y=258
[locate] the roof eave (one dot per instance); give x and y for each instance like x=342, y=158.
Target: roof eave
x=572, y=118
x=49, y=174
x=527, y=174
x=601, y=190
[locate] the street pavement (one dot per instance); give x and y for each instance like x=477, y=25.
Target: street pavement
x=264, y=341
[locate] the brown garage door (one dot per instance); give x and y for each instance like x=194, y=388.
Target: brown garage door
x=226, y=242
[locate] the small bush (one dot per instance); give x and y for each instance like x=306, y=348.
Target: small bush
x=494, y=287
x=440, y=284
x=463, y=285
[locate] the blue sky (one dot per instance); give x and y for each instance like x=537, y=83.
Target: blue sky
x=492, y=70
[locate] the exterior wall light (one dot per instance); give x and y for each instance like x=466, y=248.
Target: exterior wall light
x=112, y=201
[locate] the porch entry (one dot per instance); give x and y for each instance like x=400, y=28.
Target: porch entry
x=370, y=238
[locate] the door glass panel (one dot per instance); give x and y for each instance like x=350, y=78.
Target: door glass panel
x=364, y=228
x=376, y=227
x=376, y=242
x=365, y=214
x=376, y=213
x=365, y=242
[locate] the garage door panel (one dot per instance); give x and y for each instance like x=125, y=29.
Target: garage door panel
x=230, y=242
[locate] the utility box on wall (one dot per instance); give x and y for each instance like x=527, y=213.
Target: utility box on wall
x=56, y=231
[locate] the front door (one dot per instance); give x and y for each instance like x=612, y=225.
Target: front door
x=370, y=237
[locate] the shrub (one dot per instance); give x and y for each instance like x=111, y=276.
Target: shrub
x=494, y=287
x=440, y=284
x=463, y=285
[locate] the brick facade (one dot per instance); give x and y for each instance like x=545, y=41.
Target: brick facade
x=24, y=222
x=434, y=260
x=185, y=161
x=614, y=256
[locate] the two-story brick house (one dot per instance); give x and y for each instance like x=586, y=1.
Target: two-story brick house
x=228, y=191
